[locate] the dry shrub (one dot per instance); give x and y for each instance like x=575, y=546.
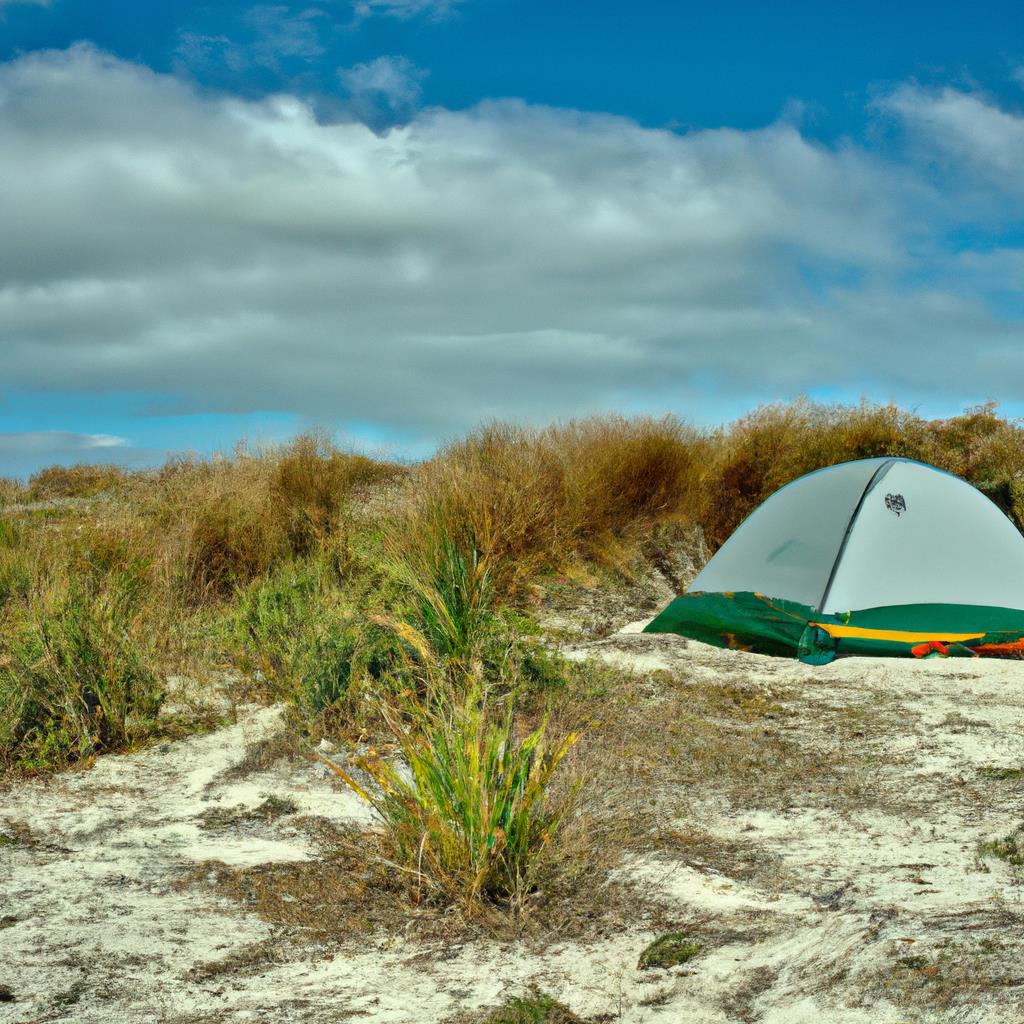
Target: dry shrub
x=758, y=454
x=621, y=476
x=310, y=484
x=81, y=481
x=775, y=444
x=231, y=539
x=985, y=449
x=533, y=500
x=11, y=491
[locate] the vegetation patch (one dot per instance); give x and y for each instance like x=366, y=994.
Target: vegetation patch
x=669, y=950
x=1009, y=848
x=216, y=818
x=1002, y=773
x=955, y=974
x=534, y=1008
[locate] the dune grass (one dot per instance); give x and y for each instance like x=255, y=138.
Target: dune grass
x=329, y=574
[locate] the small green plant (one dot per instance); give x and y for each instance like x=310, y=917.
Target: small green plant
x=1010, y=848
x=535, y=1008
x=669, y=950
x=1002, y=774
x=468, y=812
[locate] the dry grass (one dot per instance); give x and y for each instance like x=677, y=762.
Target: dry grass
x=11, y=491
x=534, y=500
x=80, y=481
x=755, y=456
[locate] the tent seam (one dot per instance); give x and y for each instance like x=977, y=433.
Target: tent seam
x=875, y=478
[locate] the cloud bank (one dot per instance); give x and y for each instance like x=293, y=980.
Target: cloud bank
x=508, y=260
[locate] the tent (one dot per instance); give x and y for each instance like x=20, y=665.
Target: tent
x=877, y=556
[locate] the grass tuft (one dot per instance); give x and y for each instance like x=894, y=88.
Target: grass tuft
x=534, y=1008
x=466, y=807
x=669, y=950
x=76, y=678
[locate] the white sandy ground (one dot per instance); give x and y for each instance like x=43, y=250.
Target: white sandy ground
x=93, y=928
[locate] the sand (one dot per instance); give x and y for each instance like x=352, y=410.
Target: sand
x=877, y=912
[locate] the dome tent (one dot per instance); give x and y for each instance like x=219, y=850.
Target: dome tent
x=876, y=556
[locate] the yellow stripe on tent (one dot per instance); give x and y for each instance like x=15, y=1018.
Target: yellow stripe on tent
x=902, y=636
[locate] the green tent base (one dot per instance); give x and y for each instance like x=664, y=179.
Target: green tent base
x=752, y=622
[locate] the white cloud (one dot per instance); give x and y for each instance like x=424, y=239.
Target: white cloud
x=53, y=442
x=384, y=90
x=267, y=36
x=434, y=9
x=966, y=129
x=507, y=260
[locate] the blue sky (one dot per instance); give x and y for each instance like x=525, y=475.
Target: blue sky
x=396, y=218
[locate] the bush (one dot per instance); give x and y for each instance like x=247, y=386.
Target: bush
x=11, y=491
x=311, y=482
x=15, y=561
x=230, y=539
x=531, y=501
x=81, y=481
x=75, y=679
x=297, y=631
x=471, y=817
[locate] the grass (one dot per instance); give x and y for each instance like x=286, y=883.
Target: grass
x=1009, y=848
x=81, y=481
x=535, y=1007
x=669, y=950
x=77, y=678
x=467, y=813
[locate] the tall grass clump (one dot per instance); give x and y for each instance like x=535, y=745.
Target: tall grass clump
x=468, y=811
x=294, y=630
x=310, y=484
x=11, y=491
x=16, y=562
x=532, y=501
x=76, y=677
x=79, y=481
x=466, y=800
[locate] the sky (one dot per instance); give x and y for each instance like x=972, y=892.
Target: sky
x=396, y=219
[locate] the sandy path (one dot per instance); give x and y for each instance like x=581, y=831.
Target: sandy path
x=875, y=909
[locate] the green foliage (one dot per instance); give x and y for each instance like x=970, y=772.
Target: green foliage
x=1010, y=848
x=15, y=561
x=669, y=951
x=468, y=815
x=296, y=628
x=75, y=679
x=535, y=1008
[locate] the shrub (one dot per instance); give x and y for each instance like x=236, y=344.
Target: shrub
x=535, y=1008
x=81, y=481
x=11, y=491
x=75, y=679
x=530, y=501
x=470, y=818
x=310, y=484
x=669, y=950
x=230, y=539
x=15, y=561
x=296, y=629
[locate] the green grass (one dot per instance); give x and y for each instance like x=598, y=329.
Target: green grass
x=1002, y=774
x=669, y=950
x=1009, y=848
x=535, y=1008
x=76, y=679
x=470, y=815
